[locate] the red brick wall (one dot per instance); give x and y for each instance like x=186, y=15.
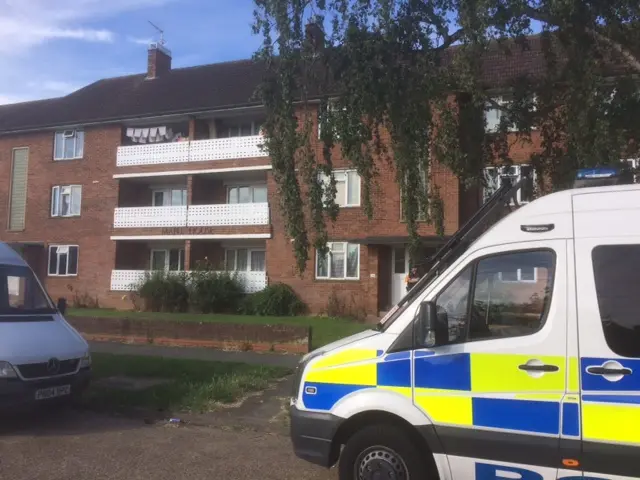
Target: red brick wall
x=91, y=231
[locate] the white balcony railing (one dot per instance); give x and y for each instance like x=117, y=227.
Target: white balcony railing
x=228, y=214
x=149, y=217
x=232, y=214
x=192, y=151
x=153, y=154
x=128, y=280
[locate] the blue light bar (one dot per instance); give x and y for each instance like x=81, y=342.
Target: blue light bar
x=601, y=172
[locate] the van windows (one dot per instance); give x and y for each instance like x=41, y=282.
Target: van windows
x=616, y=270
x=511, y=294
x=20, y=293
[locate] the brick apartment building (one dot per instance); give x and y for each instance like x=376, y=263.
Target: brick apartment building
x=164, y=169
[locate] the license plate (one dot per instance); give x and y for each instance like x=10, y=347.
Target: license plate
x=53, y=392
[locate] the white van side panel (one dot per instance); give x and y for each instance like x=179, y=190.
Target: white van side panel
x=607, y=214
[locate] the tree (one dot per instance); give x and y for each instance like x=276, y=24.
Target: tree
x=411, y=71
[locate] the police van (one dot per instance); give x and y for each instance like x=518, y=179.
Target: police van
x=517, y=356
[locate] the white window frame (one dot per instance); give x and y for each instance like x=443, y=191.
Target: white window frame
x=250, y=251
x=167, y=258
x=324, y=181
x=58, y=254
x=426, y=180
x=517, y=176
x=168, y=191
x=346, y=256
x=331, y=106
x=251, y=186
x=502, y=100
x=57, y=193
x=68, y=135
x=520, y=279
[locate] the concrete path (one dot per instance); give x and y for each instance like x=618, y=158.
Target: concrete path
x=269, y=359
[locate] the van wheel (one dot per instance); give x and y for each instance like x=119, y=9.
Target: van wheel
x=381, y=451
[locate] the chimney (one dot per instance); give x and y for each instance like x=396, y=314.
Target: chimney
x=159, y=61
x=315, y=36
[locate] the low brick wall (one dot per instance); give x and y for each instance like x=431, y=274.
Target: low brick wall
x=224, y=336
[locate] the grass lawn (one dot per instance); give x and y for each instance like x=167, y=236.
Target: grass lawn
x=324, y=330
x=194, y=385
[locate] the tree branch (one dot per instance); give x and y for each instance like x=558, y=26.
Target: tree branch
x=631, y=59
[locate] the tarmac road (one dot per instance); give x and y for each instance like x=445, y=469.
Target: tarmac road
x=63, y=445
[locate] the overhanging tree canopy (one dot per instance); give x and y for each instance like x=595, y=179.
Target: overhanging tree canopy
x=417, y=70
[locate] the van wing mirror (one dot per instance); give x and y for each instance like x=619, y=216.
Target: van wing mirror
x=433, y=329
x=62, y=305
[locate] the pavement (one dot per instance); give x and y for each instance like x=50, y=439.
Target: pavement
x=246, y=442
x=268, y=359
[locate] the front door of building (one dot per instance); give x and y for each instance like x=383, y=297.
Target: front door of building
x=399, y=270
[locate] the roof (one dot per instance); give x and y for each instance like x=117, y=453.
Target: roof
x=206, y=88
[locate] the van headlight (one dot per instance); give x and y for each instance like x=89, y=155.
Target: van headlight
x=7, y=371
x=299, y=372
x=85, y=361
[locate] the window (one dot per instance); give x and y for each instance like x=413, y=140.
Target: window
x=494, y=177
x=499, y=309
x=424, y=186
x=18, y=198
x=169, y=260
x=69, y=144
x=66, y=201
x=243, y=129
x=616, y=269
x=245, y=259
x=323, y=116
x=247, y=194
x=63, y=260
x=347, y=187
x=341, y=262
x=522, y=275
x=493, y=116
x=169, y=197
x=20, y=293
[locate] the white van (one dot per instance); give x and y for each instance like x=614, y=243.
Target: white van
x=42, y=357
x=536, y=378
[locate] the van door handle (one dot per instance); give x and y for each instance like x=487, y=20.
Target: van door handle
x=539, y=368
x=608, y=371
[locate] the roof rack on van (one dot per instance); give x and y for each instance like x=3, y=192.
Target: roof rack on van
x=494, y=209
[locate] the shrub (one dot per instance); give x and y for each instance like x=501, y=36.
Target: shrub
x=275, y=300
x=215, y=292
x=165, y=292
x=83, y=299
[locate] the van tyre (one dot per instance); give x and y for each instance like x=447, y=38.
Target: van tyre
x=382, y=451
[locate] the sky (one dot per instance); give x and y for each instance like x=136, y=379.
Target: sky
x=49, y=48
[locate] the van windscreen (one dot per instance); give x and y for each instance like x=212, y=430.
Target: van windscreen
x=21, y=294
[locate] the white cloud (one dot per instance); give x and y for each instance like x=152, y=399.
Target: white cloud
x=26, y=25
x=140, y=41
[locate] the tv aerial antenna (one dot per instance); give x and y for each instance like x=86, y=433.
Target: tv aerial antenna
x=160, y=31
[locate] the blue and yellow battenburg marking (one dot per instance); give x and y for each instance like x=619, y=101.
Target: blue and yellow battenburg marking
x=444, y=387
x=611, y=410
x=461, y=390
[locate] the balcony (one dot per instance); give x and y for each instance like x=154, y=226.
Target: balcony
x=191, y=151
x=220, y=215
x=129, y=280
